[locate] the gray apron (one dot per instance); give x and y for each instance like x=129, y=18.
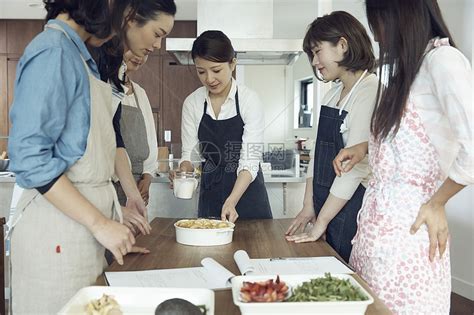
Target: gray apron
x=133, y=130
x=52, y=255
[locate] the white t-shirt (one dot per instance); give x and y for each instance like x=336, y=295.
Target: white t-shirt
x=251, y=111
x=359, y=106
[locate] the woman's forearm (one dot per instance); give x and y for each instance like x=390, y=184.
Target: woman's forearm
x=308, y=192
x=241, y=184
x=447, y=190
x=64, y=196
x=124, y=173
x=330, y=209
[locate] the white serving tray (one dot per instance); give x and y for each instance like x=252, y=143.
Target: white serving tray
x=294, y=308
x=136, y=301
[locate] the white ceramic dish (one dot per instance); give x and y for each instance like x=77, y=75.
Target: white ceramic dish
x=347, y=308
x=138, y=301
x=204, y=237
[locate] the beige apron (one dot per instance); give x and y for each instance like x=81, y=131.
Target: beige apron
x=52, y=255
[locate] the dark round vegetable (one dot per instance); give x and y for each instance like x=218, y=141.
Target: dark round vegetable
x=177, y=307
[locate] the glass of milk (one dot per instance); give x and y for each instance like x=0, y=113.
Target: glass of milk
x=185, y=184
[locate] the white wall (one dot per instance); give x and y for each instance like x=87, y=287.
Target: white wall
x=269, y=83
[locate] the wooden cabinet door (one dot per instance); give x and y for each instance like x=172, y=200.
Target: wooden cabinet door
x=20, y=33
x=3, y=37
x=11, y=71
x=7, y=84
x=149, y=78
x=178, y=82
x=3, y=103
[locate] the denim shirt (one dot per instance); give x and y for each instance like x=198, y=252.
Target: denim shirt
x=51, y=107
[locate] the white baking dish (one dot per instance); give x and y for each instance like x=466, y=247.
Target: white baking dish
x=204, y=237
x=347, y=308
x=137, y=300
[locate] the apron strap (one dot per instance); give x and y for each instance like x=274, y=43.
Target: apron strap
x=341, y=108
x=237, y=104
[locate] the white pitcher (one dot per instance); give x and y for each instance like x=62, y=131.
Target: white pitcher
x=185, y=184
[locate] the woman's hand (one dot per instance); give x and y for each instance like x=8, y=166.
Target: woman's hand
x=139, y=250
x=434, y=216
x=114, y=236
x=314, y=234
x=144, y=187
x=304, y=216
x=229, y=212
x=136, y=203
x=134, y=220
x=348, y=157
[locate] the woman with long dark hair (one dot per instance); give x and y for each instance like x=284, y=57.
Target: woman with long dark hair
x=421, y=155
x=142, y=30
x=340, y=50
x=223, y=120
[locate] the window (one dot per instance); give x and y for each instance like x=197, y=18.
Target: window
x=305, y=110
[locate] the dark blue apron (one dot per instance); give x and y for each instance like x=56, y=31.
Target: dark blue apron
x=343, y=227
x=220, y=144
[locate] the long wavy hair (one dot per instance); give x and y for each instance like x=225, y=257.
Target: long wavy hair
x=403, y=29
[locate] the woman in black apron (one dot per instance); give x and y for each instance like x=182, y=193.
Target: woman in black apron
x=340, y=49
x=232, y=182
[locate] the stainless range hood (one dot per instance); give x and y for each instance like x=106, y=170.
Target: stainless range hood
x=250, y=28
x=249, y=51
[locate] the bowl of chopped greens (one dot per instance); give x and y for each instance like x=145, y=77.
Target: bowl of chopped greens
x=310, y=294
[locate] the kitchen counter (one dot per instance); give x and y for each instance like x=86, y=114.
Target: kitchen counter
x=269, y=178
x=285, y=192
x=164, y=179
x=260, y=238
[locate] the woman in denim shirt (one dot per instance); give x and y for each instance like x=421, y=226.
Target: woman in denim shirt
x=62, y=147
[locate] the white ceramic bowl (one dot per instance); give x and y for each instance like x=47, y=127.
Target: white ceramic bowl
x=204, y=237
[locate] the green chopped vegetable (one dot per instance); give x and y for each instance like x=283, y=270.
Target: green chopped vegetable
x=326, y=289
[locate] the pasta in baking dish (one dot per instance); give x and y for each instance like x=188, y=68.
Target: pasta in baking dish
x=203, y=224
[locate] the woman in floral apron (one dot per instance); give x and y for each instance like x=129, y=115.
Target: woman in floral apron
x=421, y=155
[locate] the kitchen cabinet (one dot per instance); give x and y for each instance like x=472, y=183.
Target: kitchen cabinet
x=12, y=62
x=285, y=194
x=149, y=78
x=3, y=103
x=20, y=33
x=178, y=82
x=3, y=37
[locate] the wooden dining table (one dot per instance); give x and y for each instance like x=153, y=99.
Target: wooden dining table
x=260, y=238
